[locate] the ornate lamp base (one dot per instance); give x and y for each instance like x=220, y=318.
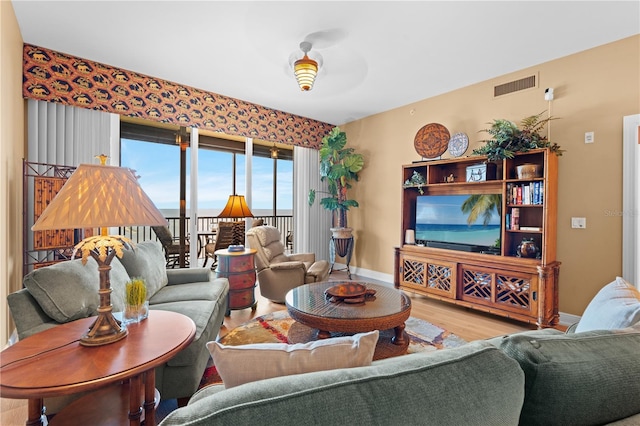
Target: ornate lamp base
x=106, y=329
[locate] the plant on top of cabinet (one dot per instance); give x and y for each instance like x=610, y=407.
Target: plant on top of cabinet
x=508, y=139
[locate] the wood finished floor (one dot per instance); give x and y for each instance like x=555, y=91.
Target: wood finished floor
x=467, y=324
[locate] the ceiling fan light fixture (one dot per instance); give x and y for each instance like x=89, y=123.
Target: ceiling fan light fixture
x=305, y=69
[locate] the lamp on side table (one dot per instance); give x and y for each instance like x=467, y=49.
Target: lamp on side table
x=101, y=196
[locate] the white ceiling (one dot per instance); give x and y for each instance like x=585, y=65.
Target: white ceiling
x=378, y=55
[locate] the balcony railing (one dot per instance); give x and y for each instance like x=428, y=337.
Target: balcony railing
x=38, y=258
x=205, y=224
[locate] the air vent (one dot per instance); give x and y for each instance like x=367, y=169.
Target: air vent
x=514, y=86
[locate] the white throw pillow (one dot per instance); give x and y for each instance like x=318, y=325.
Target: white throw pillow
x=617, y=305
x=247, y=363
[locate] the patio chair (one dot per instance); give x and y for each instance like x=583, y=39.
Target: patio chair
x=279, y=272
x=289, y=240
x=171, y=246
x=225, y=236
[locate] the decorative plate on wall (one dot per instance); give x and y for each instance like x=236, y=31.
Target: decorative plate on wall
x=431, y=140
x=458, y=144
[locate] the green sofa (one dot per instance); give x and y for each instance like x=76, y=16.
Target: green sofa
x=68, y=291
x=543, y=377
x=587, y=376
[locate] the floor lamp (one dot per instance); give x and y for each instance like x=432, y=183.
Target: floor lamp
x=101, y=196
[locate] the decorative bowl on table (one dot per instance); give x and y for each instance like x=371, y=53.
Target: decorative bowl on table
x=349, y=292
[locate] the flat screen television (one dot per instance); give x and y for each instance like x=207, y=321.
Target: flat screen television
x=468, y=222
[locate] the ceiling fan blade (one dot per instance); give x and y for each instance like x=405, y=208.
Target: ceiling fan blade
x=326, y=38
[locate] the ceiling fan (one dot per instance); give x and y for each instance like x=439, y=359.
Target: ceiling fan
x=306, y=68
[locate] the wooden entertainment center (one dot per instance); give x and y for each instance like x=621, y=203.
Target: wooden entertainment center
x=494, y=280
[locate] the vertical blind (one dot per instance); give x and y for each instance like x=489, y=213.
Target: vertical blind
x=311, y=225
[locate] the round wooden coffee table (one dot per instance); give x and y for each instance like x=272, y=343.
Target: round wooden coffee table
x=53, y=362
x=317, y=317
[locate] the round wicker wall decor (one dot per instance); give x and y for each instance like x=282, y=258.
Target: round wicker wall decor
x=431, y=140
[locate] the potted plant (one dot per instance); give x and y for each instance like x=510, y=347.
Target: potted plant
x=508, y=138
x=338, y=167
x=137, y=306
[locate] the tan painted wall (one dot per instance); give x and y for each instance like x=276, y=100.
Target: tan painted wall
x=12, y=142
x=594, y=89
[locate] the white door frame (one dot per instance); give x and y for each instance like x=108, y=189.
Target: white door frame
x=631, y=199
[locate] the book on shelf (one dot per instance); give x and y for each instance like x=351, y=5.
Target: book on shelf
x=515, y=218
x=530, y=228
x=536, y=192
x=525, y=194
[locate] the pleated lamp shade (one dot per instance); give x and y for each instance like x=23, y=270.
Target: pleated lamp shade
x=236, y=208
x=100, y=196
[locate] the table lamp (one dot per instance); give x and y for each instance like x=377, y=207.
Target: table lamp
x=101, y=196
x=236, y=208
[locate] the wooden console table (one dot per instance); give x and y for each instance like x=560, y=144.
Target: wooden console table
x=53, y=363
x=239, y=268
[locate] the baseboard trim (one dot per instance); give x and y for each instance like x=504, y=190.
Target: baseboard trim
x=383, y=279
x=387, y=279
x=568, y=319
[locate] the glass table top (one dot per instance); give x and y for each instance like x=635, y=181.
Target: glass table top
x=311, y=299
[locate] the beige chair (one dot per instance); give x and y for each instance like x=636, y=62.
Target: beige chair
x=279, y=272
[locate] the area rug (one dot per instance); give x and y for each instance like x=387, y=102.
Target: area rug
x=274, y=328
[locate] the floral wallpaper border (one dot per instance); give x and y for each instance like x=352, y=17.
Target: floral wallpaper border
x=56, y=77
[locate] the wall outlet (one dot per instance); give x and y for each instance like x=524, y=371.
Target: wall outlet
x=589, y=137
x=579, y=222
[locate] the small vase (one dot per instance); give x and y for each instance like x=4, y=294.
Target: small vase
x=528, y=249
x=136, y=313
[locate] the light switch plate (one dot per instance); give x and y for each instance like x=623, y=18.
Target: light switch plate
x=579, y=222
x=589, y=137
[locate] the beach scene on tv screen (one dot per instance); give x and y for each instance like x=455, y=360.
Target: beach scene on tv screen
x=462, y=219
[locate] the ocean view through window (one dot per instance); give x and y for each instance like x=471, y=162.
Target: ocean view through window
x=158, y=166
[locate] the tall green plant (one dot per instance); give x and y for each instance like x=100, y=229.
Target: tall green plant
x=507, y=138
x=338, y=167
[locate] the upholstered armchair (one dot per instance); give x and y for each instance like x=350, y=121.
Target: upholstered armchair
x=279, y=272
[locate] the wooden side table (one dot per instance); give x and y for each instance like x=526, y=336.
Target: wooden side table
x=239, y=268
x=53, y=362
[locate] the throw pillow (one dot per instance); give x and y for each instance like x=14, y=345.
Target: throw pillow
x=577, y=379
x=617, y=305
x=67, y=291
x=146, y=260
x=247, y=363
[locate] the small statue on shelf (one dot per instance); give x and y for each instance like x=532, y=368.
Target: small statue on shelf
x=451, y=178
